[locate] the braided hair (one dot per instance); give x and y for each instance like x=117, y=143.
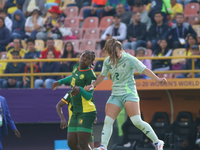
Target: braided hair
x=92, y=56
x=110, y=47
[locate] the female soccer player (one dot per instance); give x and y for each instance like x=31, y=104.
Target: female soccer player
x=124, y=94
x=83, y=108
x=63, y=123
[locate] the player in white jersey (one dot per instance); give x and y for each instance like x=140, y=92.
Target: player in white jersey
x=124, y=94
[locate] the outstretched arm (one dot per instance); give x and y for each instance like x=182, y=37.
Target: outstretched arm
x=62, y=81
x=99, y=80
x=151, y=75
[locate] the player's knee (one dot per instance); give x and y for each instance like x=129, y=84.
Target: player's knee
x=72, y=144
x=136, y=120
x=83, y=144
x=108, y=120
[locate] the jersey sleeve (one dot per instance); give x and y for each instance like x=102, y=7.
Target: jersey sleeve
x=136, y=64
x=105, y=68
x=67, y=98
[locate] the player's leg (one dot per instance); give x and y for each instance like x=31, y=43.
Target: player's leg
x=72, y=137
x=113, y=108
x=84, y=140
x=72, y=140
x=84, y=129
x=92, y=141
x=133, y=110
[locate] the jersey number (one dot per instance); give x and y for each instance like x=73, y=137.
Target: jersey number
x=117, y=76
x=73, y=82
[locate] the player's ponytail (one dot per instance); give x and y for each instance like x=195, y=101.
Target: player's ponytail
x=110, y=47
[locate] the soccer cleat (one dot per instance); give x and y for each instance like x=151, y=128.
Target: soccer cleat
x=100, y=148
x=159, y=145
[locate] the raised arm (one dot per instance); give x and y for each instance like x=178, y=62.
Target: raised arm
x=60, y=82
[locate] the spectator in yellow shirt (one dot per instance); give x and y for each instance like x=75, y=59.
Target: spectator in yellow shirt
x=16, y=47
x=176, y=8
x=2, y=68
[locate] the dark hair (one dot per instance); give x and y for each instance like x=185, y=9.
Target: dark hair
x=159, y=49
x=66, y=52
x=36, y=10
x=110, y=47
x=179, y=14
x=18, y=39
x=188, y=46
x=139, y=3
x=3, y=11
x=158, y=12
x=92, y=55
x=50, y=39
x=30, y=40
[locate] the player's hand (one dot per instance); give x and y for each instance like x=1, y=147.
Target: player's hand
x=17, y=133
x=63, y=124
x=95, y=121
x=87, y=88
x=75, y=90
x=162, y=80
x=54, y=84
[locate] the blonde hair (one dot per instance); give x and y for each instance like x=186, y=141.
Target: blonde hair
x=110, y=48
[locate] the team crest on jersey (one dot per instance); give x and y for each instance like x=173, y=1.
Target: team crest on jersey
x=80, y=121
x=110, y=67
x=82, y=76
x=74, y=70
x=123, y=67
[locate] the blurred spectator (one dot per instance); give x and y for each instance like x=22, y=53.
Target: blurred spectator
x=160, y=5
x=29, y=5
x=184, y=2
x=162, y=51
x=110, y=7
x=2, y=67
x=16, y=67
x=99, y=64
x=50, y=47
x=139, y=7
x=32, y=51
x=34, y=23
x=50, y=3
x=140, y=52
x=7, y=20
x=17, y=46
x=80, y=3
x=124, y=15
x=179, y=32
x=27, y=69
x=197, y=22
x=18, y=27
x=116, y=30
x=2, y=4
x=47, y=81
x=156, y=31
x=176, y=8
x=52, y=25
x=192, y=141
x=5, y=35
x=136, y=33
x=12, y=5
x=96, y=10
x=191, y=41
x=188, y=65
x=68, y=53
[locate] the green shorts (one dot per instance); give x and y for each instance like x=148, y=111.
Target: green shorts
x=121, y=99
x=82, y=122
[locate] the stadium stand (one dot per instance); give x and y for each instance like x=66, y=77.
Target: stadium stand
x=71, y=11
x=178, y=52
x=105, y=22
x=191, y=9
x=90, y=22
x=72, y=22
x=39, y=44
